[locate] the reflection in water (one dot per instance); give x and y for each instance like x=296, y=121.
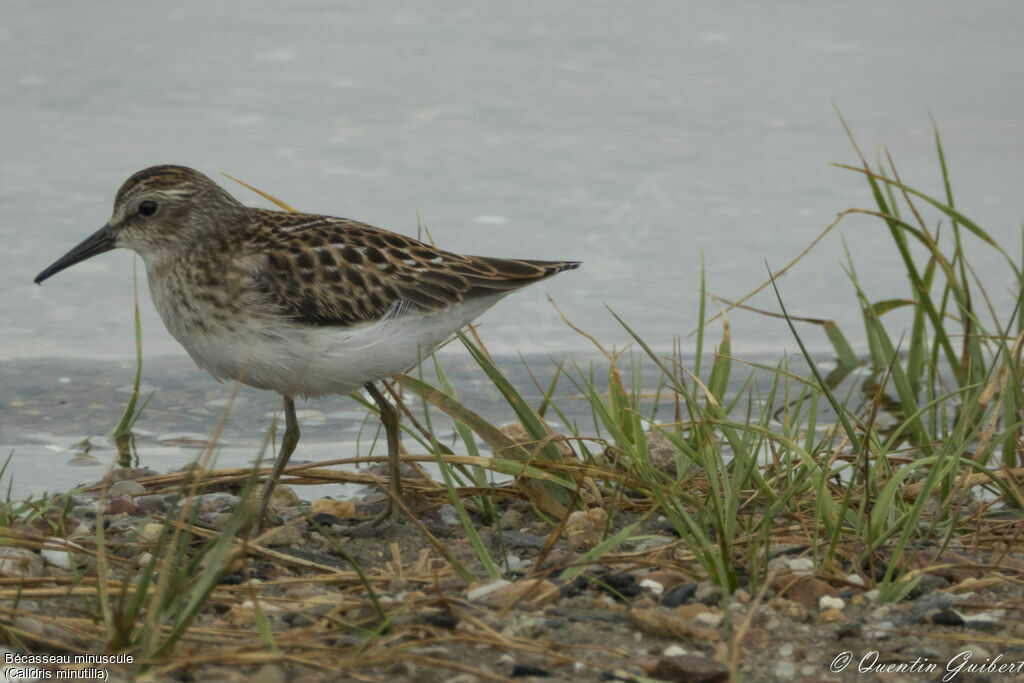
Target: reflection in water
x=127, y=453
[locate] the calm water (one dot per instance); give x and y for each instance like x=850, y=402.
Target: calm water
x=633, y=136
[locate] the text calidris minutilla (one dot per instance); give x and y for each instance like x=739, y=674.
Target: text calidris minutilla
x=300, y=304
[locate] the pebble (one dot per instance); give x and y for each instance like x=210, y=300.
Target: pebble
x=20, y=562
x=931, y=602
x=785, y=670
x=282, y=536
x=801, y=564
x=56, y=555
x=585, y=528
x=511, y=519
x=690, y=668
x=152, y=503
x=983, y=622
x=529, y=627
x=678, y=595
x=269, y=673
x=708, y=593
x=150, y=531
x=449, y=515
x=213, y=502
x=340, y=509
x=476, y=593
x=125, y=487
x=828, y=602
x=123, y=506
x=527, y=592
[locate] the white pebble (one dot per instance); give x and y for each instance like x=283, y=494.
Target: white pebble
x=475, y=594
x=801, y=564
x=828, y=602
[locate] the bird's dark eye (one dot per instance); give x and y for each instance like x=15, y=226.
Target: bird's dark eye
x=147, y=208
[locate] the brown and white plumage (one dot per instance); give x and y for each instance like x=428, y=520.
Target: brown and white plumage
x=296, y=303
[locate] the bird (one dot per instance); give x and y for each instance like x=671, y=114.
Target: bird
x=304, y=305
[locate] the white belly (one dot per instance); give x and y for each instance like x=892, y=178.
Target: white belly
x=302, y=360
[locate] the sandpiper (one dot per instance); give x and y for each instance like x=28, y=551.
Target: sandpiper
x=300, y=304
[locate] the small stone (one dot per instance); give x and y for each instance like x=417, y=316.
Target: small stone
x=648, y=544
x=56, y=555
x=524, y=670
x=674, y=651
x=511, y=519
x=215, y=520
x=946, y=617
x=692, y=611
x=802, y=589
x=341, y=509
x=281, y=536
x=679, y=594
x=691, y=668
x=785, y=670
x=710, y=619
x=530, y=628
x=283, y=497
x=665, y=624
x=828, y=602
x=516, y=564
x=151, y=504
x=528, y=592
x=661, y=452
x=479, y=591
x=449, y=515
x=930, y=603
x=653, y=586
x=585, y=528
x=324, y=520
x=757, y=637
x=986, y=623
x=708, y=593
x=213, y=502
x=123, y=506
x=441, y=618
x=269, y=673
x=831, y=616
x=20, y=562
x=125, y=487
x=669, y=578
x=150, y=532
x=801, y=564
x=850, y=629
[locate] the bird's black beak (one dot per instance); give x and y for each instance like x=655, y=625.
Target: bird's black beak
x=100, y=241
